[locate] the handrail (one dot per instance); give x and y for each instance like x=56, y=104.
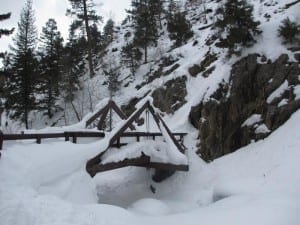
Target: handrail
x=74, y=135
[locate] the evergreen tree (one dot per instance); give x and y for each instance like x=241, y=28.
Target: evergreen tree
x=179, y=28
x=20, y=86
x=83, y=10
x=112, y=72
x=97, y=39
x=236, y=25
x=145, y=25
x=157, y=8
x=131, y=57
x=289, y=31
x=172, y=8
x=108, y=31
x=4, y=31
x=51, y=51
x=73, y=65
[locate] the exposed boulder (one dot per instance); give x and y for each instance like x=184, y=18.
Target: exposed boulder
x=259, y=99
x=171, y=96
x=204, y=65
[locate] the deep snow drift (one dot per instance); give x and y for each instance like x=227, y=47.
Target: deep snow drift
x=47, y=184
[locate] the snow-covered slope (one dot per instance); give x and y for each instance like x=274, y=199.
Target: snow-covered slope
x=47, y=184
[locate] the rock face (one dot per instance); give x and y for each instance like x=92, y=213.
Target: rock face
x=171, y=96
x=259, y=99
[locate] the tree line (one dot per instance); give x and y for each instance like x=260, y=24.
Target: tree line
x=39, y=71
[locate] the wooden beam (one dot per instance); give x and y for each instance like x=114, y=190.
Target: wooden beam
x=1, y=140
x=102, y=119
x=159, y=120
x=120, y=113
x=143, y=161
x=96, y=168
x=128, y=123
x=96, y=115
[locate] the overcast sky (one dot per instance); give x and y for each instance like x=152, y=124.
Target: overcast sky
x=45, y=9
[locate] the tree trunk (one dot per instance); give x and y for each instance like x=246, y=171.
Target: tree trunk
x=87, y=28
x=145, y=50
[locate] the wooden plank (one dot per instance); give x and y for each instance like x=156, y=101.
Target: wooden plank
x=181, y=149
x=96, y=168
x=167, y=166
x=143, y=161
x=146, y=134
x=39, y=136
x=102, y=119
x=1, y=141
x=85, y=134
x=96, y=115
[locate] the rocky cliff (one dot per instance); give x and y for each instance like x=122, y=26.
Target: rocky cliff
x=260, y=97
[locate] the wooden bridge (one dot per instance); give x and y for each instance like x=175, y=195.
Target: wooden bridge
x=163, y=169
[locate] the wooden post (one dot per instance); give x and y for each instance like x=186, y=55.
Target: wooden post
x=1, y=141
x=153, y=136
x=67, y=136
x=137, y=137
x=118, y=142
x=38, y=139
x=74, y=138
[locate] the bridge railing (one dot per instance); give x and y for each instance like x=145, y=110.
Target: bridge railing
x=39, y=136
x=78, y=134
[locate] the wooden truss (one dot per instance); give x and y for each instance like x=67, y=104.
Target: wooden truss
x=103, y=112
x=94, y=165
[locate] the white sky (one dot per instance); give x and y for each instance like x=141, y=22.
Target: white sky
x=45, y=9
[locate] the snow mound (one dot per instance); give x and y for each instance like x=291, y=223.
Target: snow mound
x=150, y=206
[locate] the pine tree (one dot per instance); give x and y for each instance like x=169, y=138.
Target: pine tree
x=84, y=12
x=108, y=31
x=289, y=31
x=157, y=8
x=51, y=51
x=236, y=26
x=179, y=28
x=97, y=39
x=146, y=33
x=131, y=57
x=112, y=72
x=20, y=86
x=73, y=65
x=172, y=8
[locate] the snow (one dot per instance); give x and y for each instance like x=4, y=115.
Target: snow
x=253, y=119
x=158, y=151
x=150, y=206
x=48, y=185
x=261, y=129
x=283, y=102
x=278, y=92
x=297, y=92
